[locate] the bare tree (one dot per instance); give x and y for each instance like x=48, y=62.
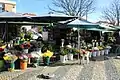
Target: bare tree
x=79, y=8
x=112, y=13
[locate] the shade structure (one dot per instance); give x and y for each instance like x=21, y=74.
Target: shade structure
x=50, y=18
x=82, y=24
x=95, y=29
x=116, y=27
x=11, y=16
x=24, y=23
x=16, y=18
x=107, y=27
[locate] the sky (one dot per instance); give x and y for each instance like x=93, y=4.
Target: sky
x=41, y=7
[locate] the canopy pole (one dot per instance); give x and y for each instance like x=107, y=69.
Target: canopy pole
x=78, y=44
x=7, y=31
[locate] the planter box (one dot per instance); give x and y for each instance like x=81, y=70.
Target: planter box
x=62, y=58
x=70, y=56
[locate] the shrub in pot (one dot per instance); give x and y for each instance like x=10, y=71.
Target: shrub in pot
x=63, y=54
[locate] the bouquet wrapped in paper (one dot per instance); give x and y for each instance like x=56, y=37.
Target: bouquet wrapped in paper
x=48, y=54
x=10, y=58
x=23, y=57
x=25, y=45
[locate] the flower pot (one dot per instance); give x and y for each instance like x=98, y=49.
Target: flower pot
x=98, y=53
x=94, y=53
x=106, y=51
x=70, y=56
x=62, y=58
x=25, y=50
x=66, y=57
x=102, y=52
x=46, y=60
x=11, y=67
x=1, y=64
x=90, y=54
x=37, y=61
x=23, y=64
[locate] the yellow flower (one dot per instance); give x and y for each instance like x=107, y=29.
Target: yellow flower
x=48, y=54
x=5, y=57
x=4, y=46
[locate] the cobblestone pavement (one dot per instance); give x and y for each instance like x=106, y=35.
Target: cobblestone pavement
x=101, y=69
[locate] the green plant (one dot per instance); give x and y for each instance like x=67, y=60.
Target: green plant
x=63, y=51
x=50, y=47
x=74, y=51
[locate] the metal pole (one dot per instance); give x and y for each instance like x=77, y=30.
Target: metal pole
x=7, y=31
x=78, y=44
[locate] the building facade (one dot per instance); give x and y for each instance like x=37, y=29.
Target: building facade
x=7, y=5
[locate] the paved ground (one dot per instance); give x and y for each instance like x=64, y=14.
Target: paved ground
x=104, y=68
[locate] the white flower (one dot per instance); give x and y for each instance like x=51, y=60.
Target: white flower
x=108, y=47
x=95, y=48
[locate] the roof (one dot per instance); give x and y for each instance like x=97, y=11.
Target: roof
x=11, y=16
x=8, y=2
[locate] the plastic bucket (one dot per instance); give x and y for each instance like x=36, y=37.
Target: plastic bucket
x=11, y=67
x=94, y=53
x=1, y=64
x=46, y=60
x=102, y=52
x=106, y=51
x=98, y=53
x=23, y=64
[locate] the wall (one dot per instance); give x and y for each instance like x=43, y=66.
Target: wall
x=9, y=7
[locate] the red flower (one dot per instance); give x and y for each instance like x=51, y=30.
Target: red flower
x=1, y=49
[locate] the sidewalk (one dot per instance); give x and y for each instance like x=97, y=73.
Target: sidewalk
x=108, y=69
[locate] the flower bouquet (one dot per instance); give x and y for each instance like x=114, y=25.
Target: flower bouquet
x=25, y=47
x=23, y=61
x=10, y=59
x=46, y=57
x=23, y=57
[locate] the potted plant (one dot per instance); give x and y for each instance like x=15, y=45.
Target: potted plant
x=70, y=52
x=23, y=61
x=63, y=54
x=47, y=54
x=95, y=51
x=25, y=47
x=100, y=50
x=107, y=49
x=10, y=59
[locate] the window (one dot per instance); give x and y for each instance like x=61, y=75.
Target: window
x=1, y=7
